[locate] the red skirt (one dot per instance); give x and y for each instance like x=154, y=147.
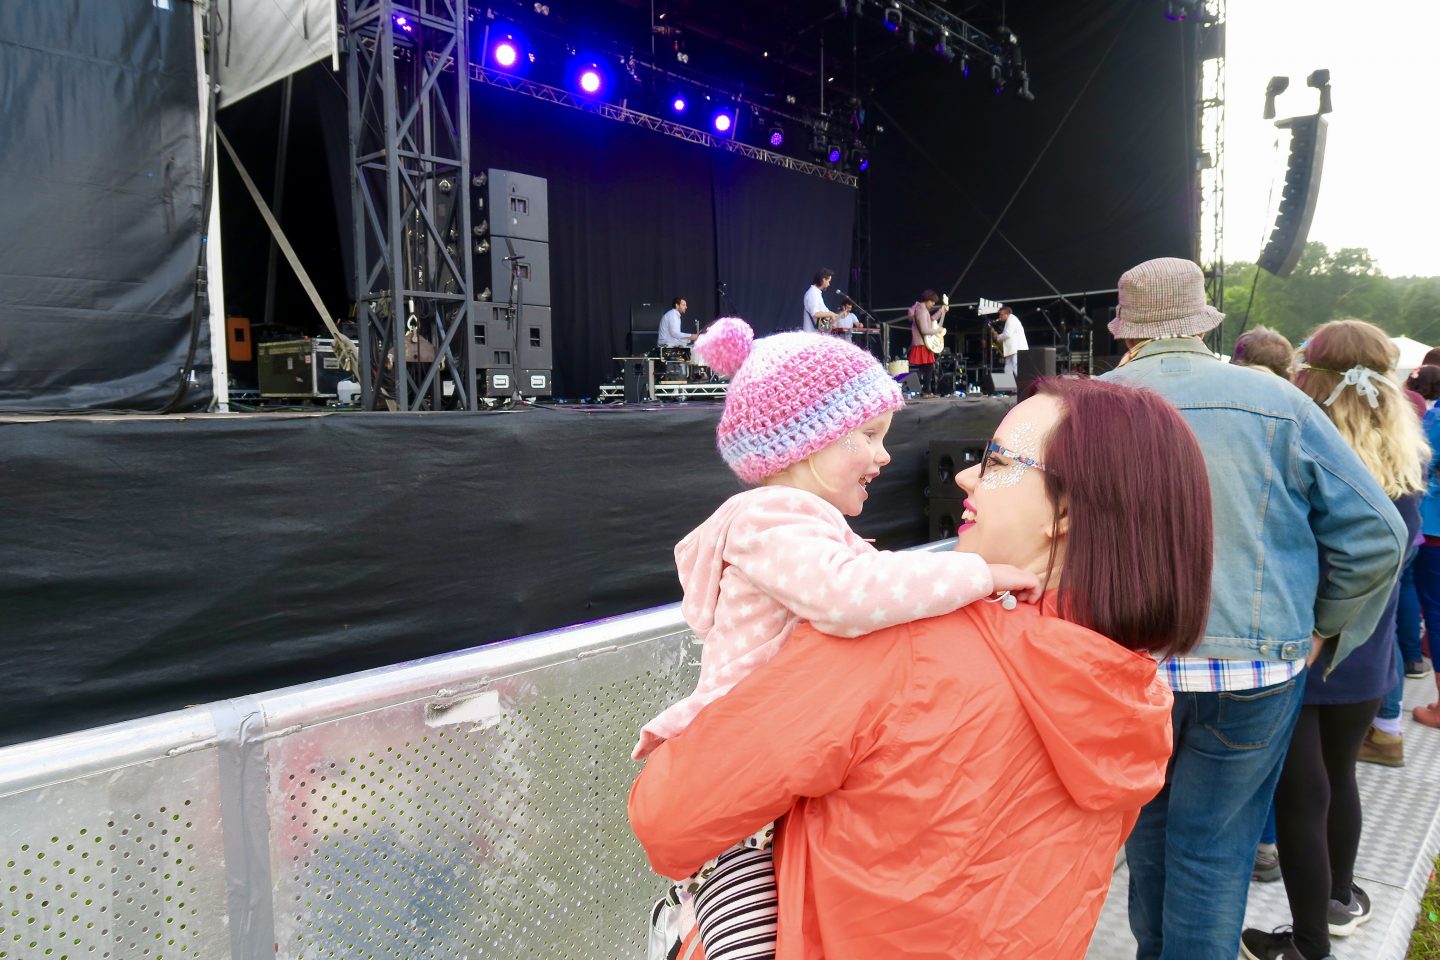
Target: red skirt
x=921, y=356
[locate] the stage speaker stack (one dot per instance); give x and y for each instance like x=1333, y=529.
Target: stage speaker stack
x=1033, y=364
x=509, y=351
x=1297, y=203
x=945, y=501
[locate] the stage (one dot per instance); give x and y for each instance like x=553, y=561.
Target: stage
x=147, y=563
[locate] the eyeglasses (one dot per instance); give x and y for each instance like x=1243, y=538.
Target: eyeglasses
x=995, y=451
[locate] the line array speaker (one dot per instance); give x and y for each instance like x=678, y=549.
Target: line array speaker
x=1297, y=202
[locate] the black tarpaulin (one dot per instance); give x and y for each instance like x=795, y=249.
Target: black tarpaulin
x=100, y=225
x=149, y=563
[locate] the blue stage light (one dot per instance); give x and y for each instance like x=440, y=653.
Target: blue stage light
x=506, y=54
x=723, y=122
x=777, y=137
x=834, y=155
x=590, y=80
x=678, y=104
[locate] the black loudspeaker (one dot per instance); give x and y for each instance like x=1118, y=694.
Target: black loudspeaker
x=1033, y=364
x=943, y=516
x=530, y=276
x=948, y=459
x=518, y=205
x=506, y=340
x=646, y=316
x=643, y=342
x=1297, y=203
x=637, y=380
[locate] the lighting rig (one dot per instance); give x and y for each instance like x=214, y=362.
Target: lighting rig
x=923, y=22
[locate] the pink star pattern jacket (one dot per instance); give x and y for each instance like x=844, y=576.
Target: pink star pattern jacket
x=772, y=557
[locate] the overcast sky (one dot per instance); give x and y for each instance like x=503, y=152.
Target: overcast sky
x=1381, y=183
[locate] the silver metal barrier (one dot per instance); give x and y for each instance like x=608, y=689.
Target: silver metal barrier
x=464, y=806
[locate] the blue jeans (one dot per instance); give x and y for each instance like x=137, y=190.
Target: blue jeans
x=1192, y=850
x=1390, y=706
x=1407, y=614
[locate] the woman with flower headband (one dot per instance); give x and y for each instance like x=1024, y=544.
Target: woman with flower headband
x=1317, y=802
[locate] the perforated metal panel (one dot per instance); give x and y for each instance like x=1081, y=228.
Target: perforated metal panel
x=501, y=835
x=122, y=865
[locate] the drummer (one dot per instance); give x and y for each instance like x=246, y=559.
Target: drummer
x=672, y=334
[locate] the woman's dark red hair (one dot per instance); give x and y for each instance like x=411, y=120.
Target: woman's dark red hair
x=1127, y=471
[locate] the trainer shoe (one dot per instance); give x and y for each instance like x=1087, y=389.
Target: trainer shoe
x=1267, y=864
x=1344, y=918
x=1279, y=944
x=1386, y=749
x=1417, y=669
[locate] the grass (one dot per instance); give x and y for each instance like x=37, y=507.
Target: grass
x=1425, y=940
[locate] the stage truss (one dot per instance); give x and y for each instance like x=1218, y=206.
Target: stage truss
x=410, y=194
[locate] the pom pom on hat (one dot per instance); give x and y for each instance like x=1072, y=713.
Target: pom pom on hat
x=725, y=345
x=790, y=395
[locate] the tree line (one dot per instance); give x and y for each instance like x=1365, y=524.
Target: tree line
x=1324, y=286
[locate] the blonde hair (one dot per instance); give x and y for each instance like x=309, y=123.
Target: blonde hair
x=1387, y=437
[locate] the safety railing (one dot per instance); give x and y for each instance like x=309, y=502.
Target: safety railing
x=464, y=806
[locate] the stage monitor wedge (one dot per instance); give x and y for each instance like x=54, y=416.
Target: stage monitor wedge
x=1302, y=187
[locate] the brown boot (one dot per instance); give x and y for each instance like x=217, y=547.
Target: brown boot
x=1429, y=716
x=1386, y=749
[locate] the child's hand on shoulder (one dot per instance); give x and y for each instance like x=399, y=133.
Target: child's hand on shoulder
x=1025, y=586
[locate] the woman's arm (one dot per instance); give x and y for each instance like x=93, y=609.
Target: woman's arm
x=792, y=730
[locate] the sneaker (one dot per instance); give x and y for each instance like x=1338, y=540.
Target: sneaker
x=1386, y=749
x=1279, y=944
x=1267, y=864
x=1417, y=669
x=1344, y=918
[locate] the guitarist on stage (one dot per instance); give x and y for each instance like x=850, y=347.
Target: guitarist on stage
x=926, y=318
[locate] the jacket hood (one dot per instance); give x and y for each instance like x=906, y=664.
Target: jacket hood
x=1102, y=712
x=700, y=562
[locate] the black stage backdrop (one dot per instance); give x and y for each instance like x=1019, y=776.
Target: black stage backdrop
x=635, y=217
x=100, y=226
x=1113, y=189
x=149, y=563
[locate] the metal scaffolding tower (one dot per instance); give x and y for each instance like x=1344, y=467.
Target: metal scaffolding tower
x=1210, y=228
x=410, y=196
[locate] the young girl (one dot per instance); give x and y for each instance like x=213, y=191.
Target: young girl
x=805, y=421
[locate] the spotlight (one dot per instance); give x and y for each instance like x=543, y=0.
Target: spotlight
x=997, y=76
x=942, y=48
x=860, y=157
x=505, y=53
x=893, y=16
x=723, y=122
x=864, y=164
x=403, y=23
x=678, y=104
x=1273, y=89
x=834, y=155
x=777, y=135
x=590, y=80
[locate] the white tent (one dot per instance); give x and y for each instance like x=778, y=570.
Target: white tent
x=1412, y=354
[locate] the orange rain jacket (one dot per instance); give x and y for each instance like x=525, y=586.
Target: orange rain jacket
x=951, y=788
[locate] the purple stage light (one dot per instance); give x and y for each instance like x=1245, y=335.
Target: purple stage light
x=505, y=54
x=678, y=105
x=404, y=24
x=834, y=155
x=590, y=80
x=777, y=137
x=722, y=122
x=864, y=164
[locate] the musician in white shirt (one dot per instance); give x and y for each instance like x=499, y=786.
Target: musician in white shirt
x=845, y=319
x=672, y=334
x=1010, y=339
x=815, y=309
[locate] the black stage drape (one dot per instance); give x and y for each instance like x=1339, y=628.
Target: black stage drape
x=148, y=563
x=635, y=217
x=1113, y=189
x=100, y=225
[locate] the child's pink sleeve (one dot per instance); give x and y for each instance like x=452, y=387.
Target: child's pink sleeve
x=813, y=567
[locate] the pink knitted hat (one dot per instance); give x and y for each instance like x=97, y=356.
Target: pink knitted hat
x=791, y=394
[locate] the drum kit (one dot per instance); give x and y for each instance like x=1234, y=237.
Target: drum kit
x=677, y=366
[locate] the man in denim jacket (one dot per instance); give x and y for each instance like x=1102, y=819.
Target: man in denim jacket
x=1286, y=489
